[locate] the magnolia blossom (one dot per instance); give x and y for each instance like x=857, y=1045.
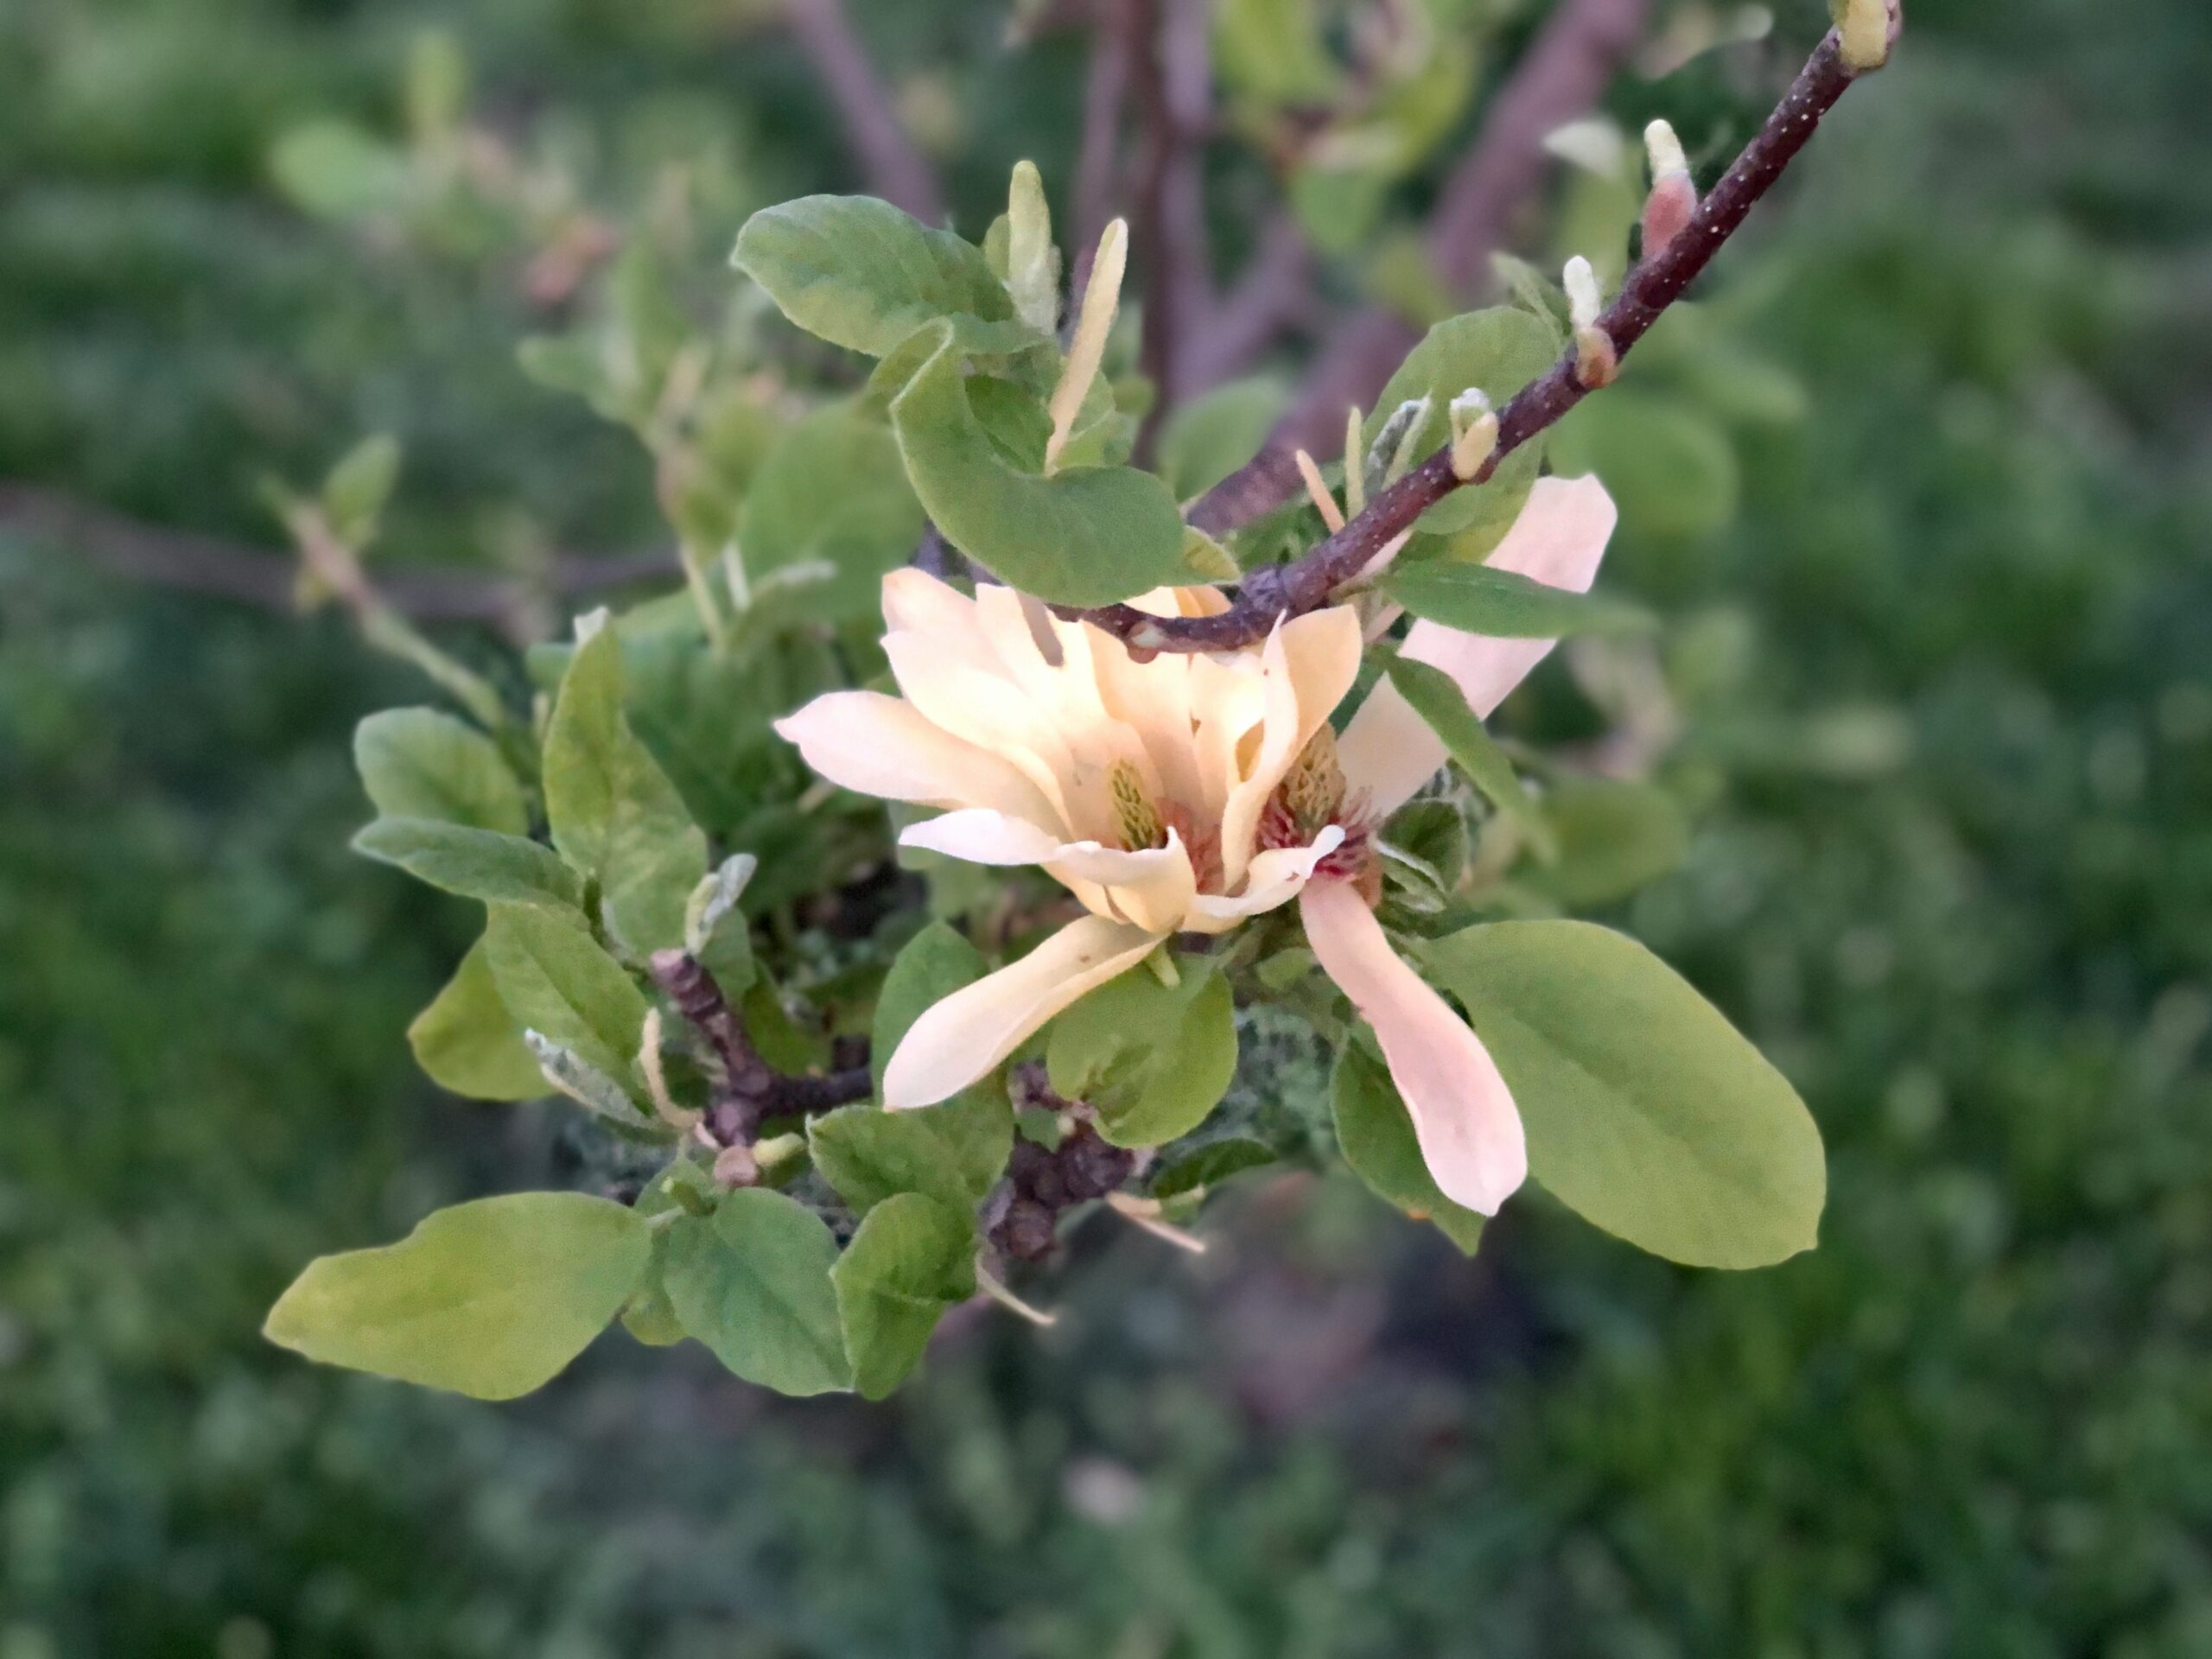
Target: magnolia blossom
x=1185, y=794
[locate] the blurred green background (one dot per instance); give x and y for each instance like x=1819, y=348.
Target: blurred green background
x=1953, y=869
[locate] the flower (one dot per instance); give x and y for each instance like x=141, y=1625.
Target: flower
x=1184, y=793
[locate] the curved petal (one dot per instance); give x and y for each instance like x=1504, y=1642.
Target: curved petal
x=982, y=836
x=878, y=745
x=962, y=1038
x=1311, y=663
x=1275, y=877
x=1559, y=539
x=973, y=699
x=1152, y=887
x=1464, y=1116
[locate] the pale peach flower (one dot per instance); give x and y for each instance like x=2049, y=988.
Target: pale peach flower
x=1184, y=793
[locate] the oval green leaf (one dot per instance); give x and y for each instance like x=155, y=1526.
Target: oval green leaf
x=752, y=1282
x=1647, y=1113
x=490, y=1299
x=1086, y=536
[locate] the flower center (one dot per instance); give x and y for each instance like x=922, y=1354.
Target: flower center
x=1310, y=799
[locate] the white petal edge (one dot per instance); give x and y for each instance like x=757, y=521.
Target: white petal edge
x=1463, y=1114
x=1275, y=877
x=1560, y=540
x=961, y=1038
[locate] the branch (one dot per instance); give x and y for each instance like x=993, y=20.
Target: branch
x=895, y=169
x=205, y=564
x=750, y=1091
x=1306, y=585
x=1273, y=288
x=1105, y=84
x=1561, y=76
x=1169, y=42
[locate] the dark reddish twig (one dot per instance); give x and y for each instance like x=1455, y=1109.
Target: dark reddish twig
x=750, y=1091
x=1561, y=76
x=896, y=170
x=1650, y=288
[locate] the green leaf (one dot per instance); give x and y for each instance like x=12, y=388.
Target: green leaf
x=1084, y=535
x=912, y=1258
x=558, y=981
x=859, y=273
x=1669, y=465
x=1613, y=837
x=490, y=1299
x=716, y=929
x=354, y=493
x=832, y=492
x=614, y=813
x=1436, y=697
x=752, y=1283
x=466, y=1041
x=420, y=763
x=1376, y=1134
x=649, y=1315
x=1152, y=1059
x=1647, y=1114
x=1504, y=604
x=336, y=170
x=483, y=864
x=1498, y=350
x=1211, y=1165
x=954, y=1152
x=1205, y=440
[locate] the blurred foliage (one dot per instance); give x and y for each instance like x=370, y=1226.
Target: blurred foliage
x=1950, y=733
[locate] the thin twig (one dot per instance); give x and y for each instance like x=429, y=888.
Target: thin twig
x=895, y=169
x=1650, y=288
x=192, y=563
x=1561, y=76
x=750, y=1091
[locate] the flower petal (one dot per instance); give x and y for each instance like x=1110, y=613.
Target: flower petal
x=1464, y=1116
x=1311, y=663
x=962, y=1038
x=1388, y=750
x=1275, y=877
x=1152, y=886
x=877, y=745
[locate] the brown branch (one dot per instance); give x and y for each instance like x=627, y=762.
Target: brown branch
x=895, y=169
x=749, y=1090
x=1272, y=290
x=192, y=563
x=1560, y=77
x=1650, y=288
x=1170, y=53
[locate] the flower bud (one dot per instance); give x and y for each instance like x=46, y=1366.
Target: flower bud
x=1474, y=433
x=1672, y=200
x=1583, y=299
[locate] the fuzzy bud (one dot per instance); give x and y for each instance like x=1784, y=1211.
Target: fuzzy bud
x=1474, y=433
x=1583, y=301
x=1672, y=200
x=1866, y=30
